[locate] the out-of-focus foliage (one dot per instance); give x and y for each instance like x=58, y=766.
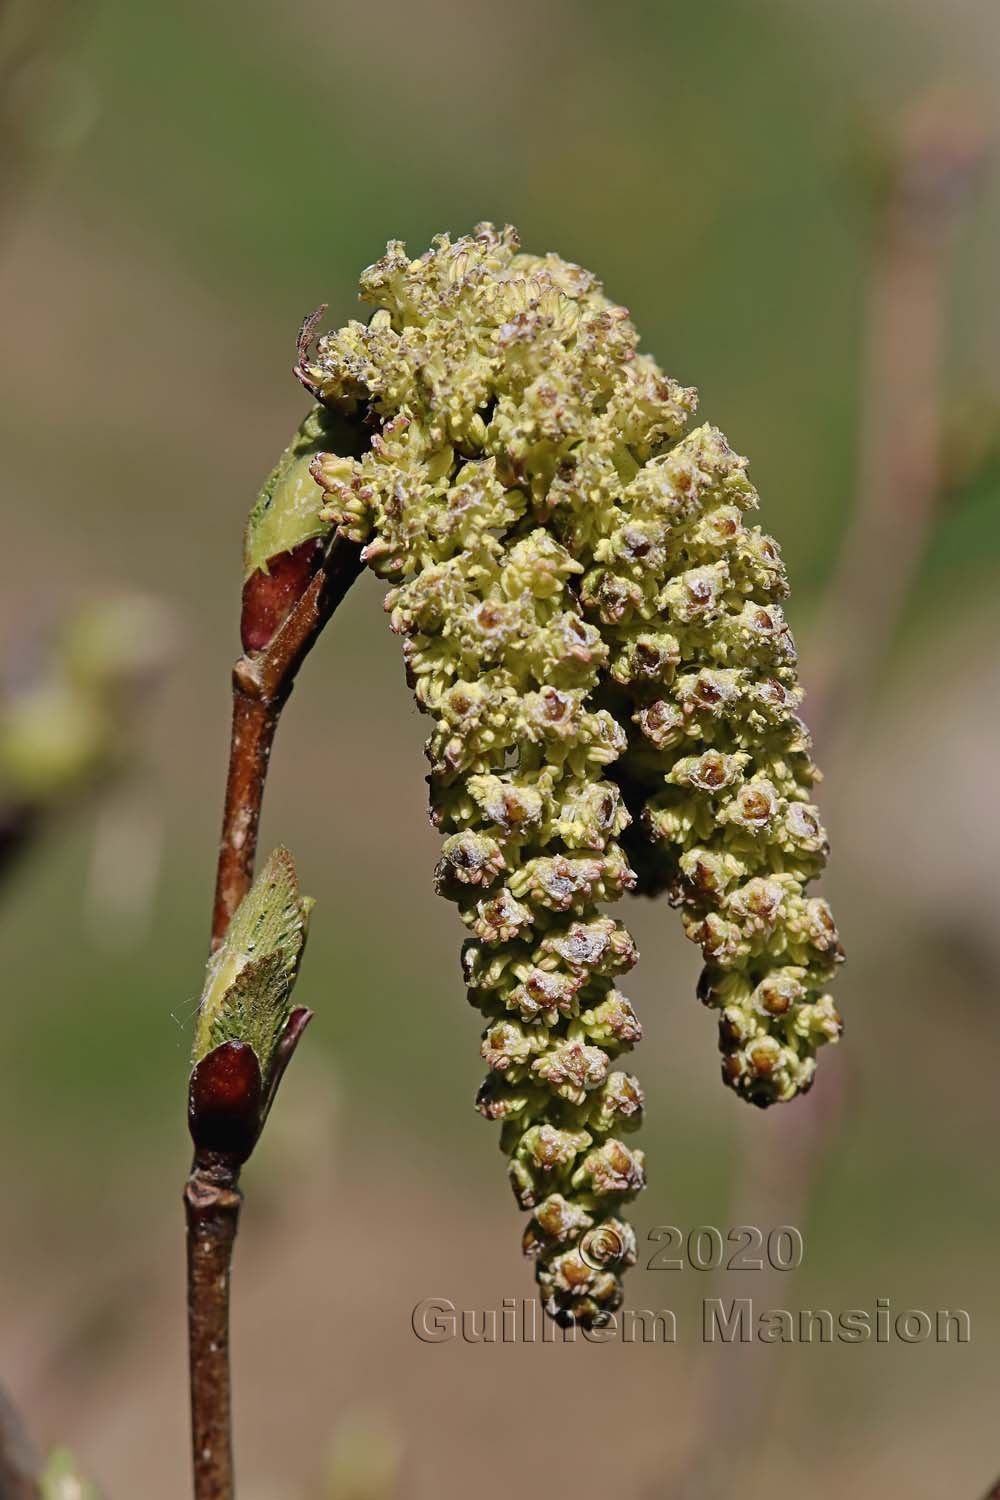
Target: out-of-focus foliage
x=62, y=1481
x=67, y=713
x=364, y=1460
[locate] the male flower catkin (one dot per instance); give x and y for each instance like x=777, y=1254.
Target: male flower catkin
x=594, y=632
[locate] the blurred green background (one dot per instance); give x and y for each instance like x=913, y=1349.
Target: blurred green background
x=181, y=184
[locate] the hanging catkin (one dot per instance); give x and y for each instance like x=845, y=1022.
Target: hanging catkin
x=594, y=632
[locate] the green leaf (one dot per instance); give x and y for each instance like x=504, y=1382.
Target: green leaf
x=287, y=510
x=249, y=982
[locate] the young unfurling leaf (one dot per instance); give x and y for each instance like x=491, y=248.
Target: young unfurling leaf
x=246, y=1025
x=248, y=987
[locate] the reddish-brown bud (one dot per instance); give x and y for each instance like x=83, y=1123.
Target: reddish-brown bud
x=269, y=597
x=225, y=1101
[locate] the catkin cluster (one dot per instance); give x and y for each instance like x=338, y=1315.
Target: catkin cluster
x=594, y=633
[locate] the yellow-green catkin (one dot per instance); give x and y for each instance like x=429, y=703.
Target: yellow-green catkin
x=594, y=631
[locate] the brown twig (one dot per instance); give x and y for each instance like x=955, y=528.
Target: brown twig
x=262, y=681
x=936, y=163
x=19, y=1465
x=212, y=1202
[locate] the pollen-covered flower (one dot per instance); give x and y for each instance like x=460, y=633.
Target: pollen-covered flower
x=596, y=635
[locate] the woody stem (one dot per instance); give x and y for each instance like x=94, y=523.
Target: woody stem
x=262, y=681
